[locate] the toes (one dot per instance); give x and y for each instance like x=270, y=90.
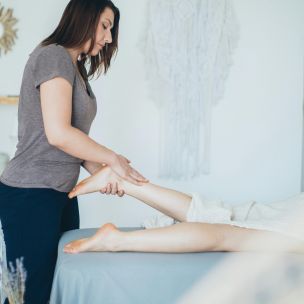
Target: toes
x=73, y=247
x=79, y=189
x=74, y=192
x=97, y=242
x=69, y=249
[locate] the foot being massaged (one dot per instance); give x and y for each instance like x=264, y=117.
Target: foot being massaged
x=199, y=225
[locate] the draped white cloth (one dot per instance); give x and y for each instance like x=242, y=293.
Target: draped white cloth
x=284, y=216
x=188, y=47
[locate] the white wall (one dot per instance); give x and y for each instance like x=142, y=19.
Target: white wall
x=257, y=127
x=36, y=19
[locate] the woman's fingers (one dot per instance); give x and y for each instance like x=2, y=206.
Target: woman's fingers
x=135, y=174
x=121, y=193
x=84, y=187
x=109, y=189
x=103, y=190
x=134, y=177
x=133, y=180
x=126, y=159
x=114, y=188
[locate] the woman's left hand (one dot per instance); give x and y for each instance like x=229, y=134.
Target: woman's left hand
x=104, y=181
x=112, y=189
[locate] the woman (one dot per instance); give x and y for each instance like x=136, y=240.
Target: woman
x=205, y=226
x=56, y=110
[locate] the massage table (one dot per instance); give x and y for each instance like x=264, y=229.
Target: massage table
x=135, y=278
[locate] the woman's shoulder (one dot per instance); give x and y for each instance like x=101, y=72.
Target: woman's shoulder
x=49, y=61
x=50, y=51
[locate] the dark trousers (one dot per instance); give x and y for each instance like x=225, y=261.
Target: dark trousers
x=33, y=220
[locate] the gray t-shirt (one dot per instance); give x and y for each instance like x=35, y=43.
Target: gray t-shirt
x=36, y=163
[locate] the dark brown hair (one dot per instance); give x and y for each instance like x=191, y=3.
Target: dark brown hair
x=77, y=25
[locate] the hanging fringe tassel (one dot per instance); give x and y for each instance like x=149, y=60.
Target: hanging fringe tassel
x=188, y=48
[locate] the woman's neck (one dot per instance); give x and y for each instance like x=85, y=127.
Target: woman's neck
x=74, y=53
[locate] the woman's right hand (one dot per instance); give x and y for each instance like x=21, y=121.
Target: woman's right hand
x=121, y=166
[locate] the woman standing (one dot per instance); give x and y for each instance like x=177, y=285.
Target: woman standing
x=56, y=110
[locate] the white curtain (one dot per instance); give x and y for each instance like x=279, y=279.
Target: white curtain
x=188, y=47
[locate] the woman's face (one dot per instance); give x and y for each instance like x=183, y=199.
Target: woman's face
x=103, y=32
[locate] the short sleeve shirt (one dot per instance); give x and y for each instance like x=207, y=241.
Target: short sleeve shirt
x=37, y=164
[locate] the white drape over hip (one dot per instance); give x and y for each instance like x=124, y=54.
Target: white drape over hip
x=284, y=216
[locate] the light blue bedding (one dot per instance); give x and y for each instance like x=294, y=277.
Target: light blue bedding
x=128, y=277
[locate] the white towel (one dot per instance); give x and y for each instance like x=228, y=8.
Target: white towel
x=285, y=217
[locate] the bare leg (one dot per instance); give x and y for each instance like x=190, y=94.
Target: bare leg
x=186, y=237
x=183, y=237
x=200, y=237
x=244, y=239
x=170, y=202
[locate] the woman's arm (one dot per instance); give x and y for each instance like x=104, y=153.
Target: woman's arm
x=56, y=104
x=91, y=167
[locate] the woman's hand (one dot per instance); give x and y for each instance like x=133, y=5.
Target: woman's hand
x=121, y=166
x=112, y=189
x=104, y=180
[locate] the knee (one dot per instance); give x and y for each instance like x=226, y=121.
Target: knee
x=220, y=238
x=213, y=237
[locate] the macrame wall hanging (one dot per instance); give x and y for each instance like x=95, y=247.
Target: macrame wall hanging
x=188, y=47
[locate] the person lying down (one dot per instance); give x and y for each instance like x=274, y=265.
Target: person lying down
x=193, y=224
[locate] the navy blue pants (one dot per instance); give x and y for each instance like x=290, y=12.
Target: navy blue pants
x=33, y=220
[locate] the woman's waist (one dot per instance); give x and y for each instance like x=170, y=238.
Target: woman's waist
x=58, y=175
x=41, y=159
x=19, y=169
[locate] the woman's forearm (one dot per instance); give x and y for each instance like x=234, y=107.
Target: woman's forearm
x=78, y=144
x=91, y=167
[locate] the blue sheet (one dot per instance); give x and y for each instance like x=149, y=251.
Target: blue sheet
x=128, y=277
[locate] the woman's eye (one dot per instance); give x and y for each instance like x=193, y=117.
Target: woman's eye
x=104, y=27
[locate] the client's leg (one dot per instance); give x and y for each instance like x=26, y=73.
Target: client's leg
x=170, y=202
x=185, y=237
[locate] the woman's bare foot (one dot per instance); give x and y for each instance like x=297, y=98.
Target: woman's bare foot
x=105, y=239
x=99, y=180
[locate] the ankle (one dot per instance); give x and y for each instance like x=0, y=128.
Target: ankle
x=115, y=242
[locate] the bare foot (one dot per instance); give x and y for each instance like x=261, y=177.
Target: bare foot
x=97, y=181
x=105, y=239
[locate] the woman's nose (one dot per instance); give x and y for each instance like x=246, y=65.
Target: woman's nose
x=108, y=37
